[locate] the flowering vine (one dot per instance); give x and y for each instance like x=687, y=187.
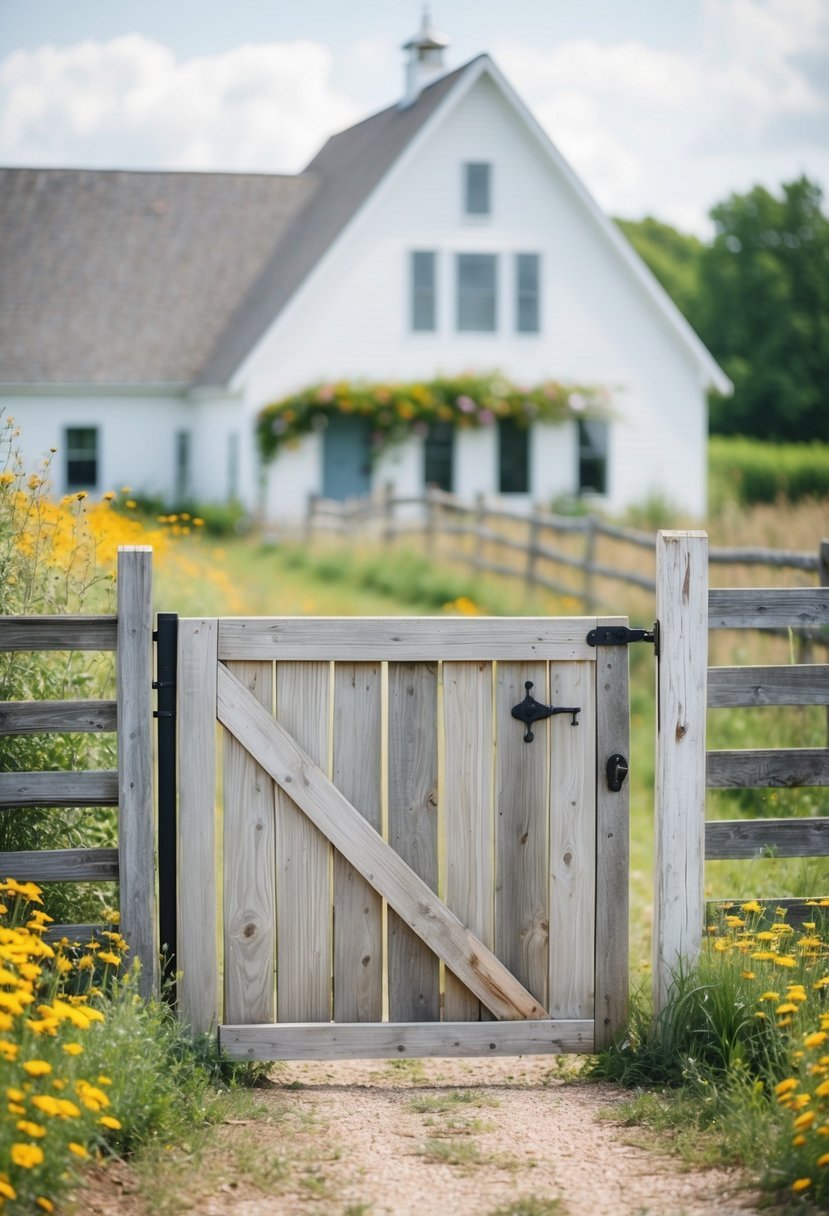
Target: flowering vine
x=394, y=412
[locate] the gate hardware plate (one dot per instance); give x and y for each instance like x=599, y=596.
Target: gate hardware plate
x=620, y=635
x=529, y=710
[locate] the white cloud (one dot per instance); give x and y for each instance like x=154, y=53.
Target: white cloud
x=662, y=131
x=129, y=102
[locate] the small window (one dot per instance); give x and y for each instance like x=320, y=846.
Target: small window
x=477, y=292
x=233, y=466
x=513, y=457
x=424, y=311
x=438, y=456
x=527, y=293
x=477, y=178
x=182, y=466
x=81, y=457
x=593, y=448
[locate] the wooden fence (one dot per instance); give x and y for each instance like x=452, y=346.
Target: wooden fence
x=129, y=787
x=686, y=689
x=563, y=554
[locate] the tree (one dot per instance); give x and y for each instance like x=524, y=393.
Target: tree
x=764, y=312
x=674, y=259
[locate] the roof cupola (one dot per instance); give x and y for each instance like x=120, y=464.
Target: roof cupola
x=425, y=59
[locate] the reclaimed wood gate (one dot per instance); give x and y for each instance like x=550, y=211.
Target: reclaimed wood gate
x=396, y=871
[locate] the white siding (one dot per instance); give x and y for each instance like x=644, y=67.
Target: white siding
x=598, y=324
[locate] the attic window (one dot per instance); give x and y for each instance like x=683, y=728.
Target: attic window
x=477, y=180
x=81, y=457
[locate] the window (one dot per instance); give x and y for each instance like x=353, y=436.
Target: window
x=81, y=457
x=438, y=455
x=477, y=295
x=233, y=466
x=182, y=466
x=424, y=311
x=593, y=445
x=476, y=189
x=513, y=457
x=527, y=293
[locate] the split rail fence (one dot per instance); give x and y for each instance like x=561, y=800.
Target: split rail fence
x=583, y=557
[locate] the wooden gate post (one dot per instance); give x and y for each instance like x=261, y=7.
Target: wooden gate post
x=136, y=813
x=682, y=678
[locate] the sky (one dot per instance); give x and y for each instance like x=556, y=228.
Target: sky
x=663, y=107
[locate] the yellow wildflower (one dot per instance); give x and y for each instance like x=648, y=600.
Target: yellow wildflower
x=110, y=1122
x=824, y=1160
x=27, y=1156
x=801, y=1184
x=45, y=1204
x=786, y=1087
x=751, y=906
x=35, y=1130
x=7, y=1190
x=78, y=1149
x=37, y=1068
x=806, y=1119
x=73, y=1049
x=815, y=1039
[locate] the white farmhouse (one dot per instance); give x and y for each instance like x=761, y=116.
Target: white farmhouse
x=147, y=318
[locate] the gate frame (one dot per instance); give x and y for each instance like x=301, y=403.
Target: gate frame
x=197, y=960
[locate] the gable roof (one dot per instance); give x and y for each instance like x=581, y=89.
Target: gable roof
x=113, y=277
x=346, y=170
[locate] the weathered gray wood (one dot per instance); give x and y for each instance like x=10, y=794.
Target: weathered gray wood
x=768, y=608
x=366, y=639
x=358, y=909
x=32, y=717
x=767, y=767
x=96, y=787
x=612, y=842
x=303, y=908
x=791, y=559
x=682, y=612
x=522, y=895
x=61, y=865
x=74, y=933
x=572, y=841
x=292, y=768
x=467, y=716
x=197, y=958
x=249, y=869
x=58, y=632
x=136, y=815
x=733, y=838
x=400, y=1040
x=736, y=687
x=414, y=971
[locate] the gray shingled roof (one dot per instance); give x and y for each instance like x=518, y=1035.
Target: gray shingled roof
x=115, y=277
x=122, y=278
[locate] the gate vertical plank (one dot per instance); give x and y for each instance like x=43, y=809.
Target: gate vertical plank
x=414, y=971
x=358, y=909
x=467, y=713
x=682, y=678
x=249, y=869
x=198, y=986
x=612, y=842
x=303, y=902
x=572, y=843
x=136, y=810
x=521, y=883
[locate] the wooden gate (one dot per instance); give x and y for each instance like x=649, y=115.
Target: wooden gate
x=396, y=871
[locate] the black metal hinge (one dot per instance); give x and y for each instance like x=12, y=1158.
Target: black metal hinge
x=620, y=635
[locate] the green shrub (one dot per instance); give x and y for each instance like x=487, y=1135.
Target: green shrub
x=750, y=471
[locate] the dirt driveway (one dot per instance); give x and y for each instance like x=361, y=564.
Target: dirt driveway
x=518, y=1136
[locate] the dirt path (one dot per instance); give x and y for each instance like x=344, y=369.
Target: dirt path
x=444, y=1137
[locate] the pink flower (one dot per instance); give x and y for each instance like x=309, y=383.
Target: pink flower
x=465, y=404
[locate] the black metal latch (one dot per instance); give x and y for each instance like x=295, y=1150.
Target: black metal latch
x=620, y=635
x=530, y=710
x=616, y=769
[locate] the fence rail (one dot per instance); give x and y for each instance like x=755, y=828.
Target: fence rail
x=557, y=553
x=128, y=633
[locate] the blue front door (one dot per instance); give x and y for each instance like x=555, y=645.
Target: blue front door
x=346, y=472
